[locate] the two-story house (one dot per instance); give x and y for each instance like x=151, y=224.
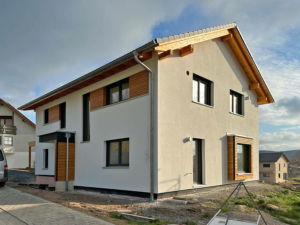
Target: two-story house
x=273, y=167
x=176, y=114
x=16, y=130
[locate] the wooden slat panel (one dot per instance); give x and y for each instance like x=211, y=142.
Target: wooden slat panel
x=98, y=98
x=230, y=157
x=61, y=161
x=139, y=84
x=54, y=113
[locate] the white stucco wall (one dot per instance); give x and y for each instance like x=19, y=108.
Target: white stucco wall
x=179, y=117
x=128, y=119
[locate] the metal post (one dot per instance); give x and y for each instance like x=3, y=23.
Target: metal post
x=230, y=195
x=233, y=203
x=68, y=135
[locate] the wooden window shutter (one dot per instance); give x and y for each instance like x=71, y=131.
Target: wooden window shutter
x=54, y=113
x=98, y=98
x=139, y=84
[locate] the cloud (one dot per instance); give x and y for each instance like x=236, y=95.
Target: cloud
x=279, y=141
x=45, y=44
x=279, y=147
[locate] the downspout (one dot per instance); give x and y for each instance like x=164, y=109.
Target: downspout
x=135, y=54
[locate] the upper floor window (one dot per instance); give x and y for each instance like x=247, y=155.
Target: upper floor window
x=118, y=91
x=283, y=164
x=8, y=140
x=202, y=90
x=62, y=115
x=279, y=167
x=86, y=117
x=46, y=116
x=236, y=103
x=266, y=165
x=243, y=158
x=6, y=120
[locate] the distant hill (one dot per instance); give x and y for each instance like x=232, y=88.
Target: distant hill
x=289, y=153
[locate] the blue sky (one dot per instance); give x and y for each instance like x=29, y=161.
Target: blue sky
x=45, y=45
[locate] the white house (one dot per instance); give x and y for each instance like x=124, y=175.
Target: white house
x=16, y=130
x=177, y=114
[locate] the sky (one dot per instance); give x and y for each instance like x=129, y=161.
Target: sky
x=45, y=44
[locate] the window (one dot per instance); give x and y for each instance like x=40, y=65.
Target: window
x=118, y=91
x=46, y=116
x=279, y=167
x=266, y=165
x=0, y=140
x=202, y=90
x=284, y=176
x=6, y=120
x=8, y=140
x=62, y=115
x=278, y=175
x=236, y=103
x=197, y=161
x=243, y=158
x=86, y=117
x=46, y=158
x=118, y=152
x=283, y=164
x=266, y=175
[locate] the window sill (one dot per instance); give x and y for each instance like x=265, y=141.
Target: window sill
x=241, y=174
x=82, y=142
x=209, y=106
x=45, y=124
x=116, y=167
x=237, y=114
x=45, y=169
x=199, y=185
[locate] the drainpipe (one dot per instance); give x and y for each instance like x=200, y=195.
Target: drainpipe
x=68, y=135
x=135, y=54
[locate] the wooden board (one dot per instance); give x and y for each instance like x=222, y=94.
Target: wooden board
x=54, y=114
x=139, y=84
x=98, y=98
x=61, y=161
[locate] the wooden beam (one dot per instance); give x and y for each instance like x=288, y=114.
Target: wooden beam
x=165, y=54
x=253, y=86
x=182, y=42
x=146, y=55
x=227, y=37
x=262, y=100
x=186, y=50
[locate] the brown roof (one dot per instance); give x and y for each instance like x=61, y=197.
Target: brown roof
x=18, y=112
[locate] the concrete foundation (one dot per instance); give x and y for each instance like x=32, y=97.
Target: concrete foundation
x=61, y=185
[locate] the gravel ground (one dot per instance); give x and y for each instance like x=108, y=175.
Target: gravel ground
x=19, y=176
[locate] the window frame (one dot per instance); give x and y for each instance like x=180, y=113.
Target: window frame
x=117, y=84
x=7, y=118
x=208, y=92
x=63, y=115
x=269, y=175
x=46, y=159
x=245, y=160
x=120, y=153
x=86, y=126
x=278, y=166
x=267, y=165
x=12, y=141
x=240, y=98
x=278, y=175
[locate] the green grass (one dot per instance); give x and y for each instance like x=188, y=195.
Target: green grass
x=288, y=202
x=156, y=222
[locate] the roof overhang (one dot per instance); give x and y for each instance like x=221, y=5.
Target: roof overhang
x=165, y=46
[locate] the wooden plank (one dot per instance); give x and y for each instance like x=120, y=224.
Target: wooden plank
x=227, y=37
x=186, y=50
x=253, y=86
x=262, y=100
x=165, y=54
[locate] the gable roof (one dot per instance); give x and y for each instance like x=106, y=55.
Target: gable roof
x=18, y=112
x=229, y=32
x=272, y=157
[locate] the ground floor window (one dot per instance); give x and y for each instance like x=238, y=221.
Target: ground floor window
x=266, y=165
x=197, y=161
x=46, y=158
x=278, y=175
x=243, y=158
x=266, y=175
x=8, y=140
x=118, y=152
x=284, y=176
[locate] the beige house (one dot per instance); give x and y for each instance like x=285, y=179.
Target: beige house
x=16, y=130
x=273, y=167
x=176, y=114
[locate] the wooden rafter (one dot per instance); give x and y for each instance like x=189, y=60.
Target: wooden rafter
x=254, y=86
x=182, y=42
x=227, y=37
x=186, y=50
x=165, y=54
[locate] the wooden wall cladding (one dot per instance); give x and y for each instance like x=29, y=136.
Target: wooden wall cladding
x=139, y=84
x=61, y=159
x=98, y=98
x=232, y=142
x=54, y=114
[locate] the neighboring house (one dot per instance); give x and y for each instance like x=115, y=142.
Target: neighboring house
x=16, y=130
x=204, y=115
x=273, y=167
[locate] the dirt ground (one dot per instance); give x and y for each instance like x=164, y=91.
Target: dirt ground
x=204, y=206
